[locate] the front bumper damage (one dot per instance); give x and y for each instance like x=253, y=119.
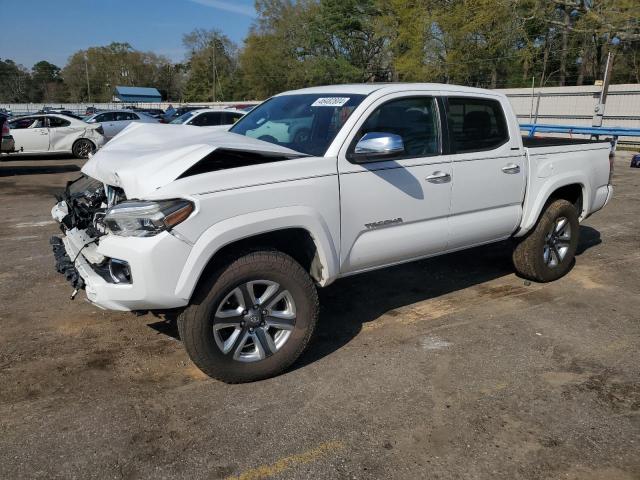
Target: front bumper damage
x=83, y=255
x=66, y=265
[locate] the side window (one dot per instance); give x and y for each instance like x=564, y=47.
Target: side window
x=414, y=119
x=56, y=122
x=134, y=116
x=207, y=119
x=476, y=124
x=105, y=117
x=200, y=120
x=231, y=117
x=21, y=123
x=41, y=122
x=121, y=116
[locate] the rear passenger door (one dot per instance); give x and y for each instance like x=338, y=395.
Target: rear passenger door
x=59, y=130
x=489, y=171
x=396, y=209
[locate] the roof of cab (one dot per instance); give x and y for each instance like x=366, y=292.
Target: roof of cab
x=368, y=88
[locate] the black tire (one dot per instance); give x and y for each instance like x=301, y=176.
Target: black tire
x=82, y=148
x=535, y=255
x=196, y=323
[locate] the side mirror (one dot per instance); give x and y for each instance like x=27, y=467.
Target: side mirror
x=376, y=146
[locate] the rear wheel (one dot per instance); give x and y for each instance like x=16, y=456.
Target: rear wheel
x=82, y=148
x=547, y=252
x=251, y=319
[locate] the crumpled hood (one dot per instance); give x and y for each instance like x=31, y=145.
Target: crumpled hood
x=147, y=156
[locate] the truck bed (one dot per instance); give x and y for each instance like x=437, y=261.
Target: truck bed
x=539, y=142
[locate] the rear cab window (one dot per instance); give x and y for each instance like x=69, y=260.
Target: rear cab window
x=476, y=124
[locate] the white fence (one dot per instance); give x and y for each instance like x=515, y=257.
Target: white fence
x=576, y=106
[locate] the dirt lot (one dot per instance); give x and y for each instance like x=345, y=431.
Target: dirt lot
x=452, y=368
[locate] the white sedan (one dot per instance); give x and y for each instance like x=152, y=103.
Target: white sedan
x=114, y=121
x=54, y=133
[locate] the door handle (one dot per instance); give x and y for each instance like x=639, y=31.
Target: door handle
x=44, y=132
x=439, y=177
x=511, y=168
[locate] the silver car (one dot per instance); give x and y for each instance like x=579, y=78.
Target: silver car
x=114, y=121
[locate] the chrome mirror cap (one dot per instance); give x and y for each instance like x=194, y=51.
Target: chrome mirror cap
x=376, y=144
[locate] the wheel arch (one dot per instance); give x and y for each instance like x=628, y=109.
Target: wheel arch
x=573, y=193
x=305, y=238
x=573, y=188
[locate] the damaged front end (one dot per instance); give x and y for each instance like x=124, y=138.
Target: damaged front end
x=80, y=211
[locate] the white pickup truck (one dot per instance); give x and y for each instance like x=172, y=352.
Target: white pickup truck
x=234, y=230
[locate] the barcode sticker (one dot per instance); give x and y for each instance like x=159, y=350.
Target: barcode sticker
x=330, y=102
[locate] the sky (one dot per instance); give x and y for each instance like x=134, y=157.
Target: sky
x=53, y=30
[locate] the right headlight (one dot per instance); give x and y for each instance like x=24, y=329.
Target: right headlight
x=134, y=218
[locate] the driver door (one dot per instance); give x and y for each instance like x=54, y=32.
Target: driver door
x=395, y=209
x=31, y=134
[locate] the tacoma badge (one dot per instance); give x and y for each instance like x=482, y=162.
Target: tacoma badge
x=383, y=223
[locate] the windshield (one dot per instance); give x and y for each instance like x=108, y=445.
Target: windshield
x=183, y=118
x=307, y=123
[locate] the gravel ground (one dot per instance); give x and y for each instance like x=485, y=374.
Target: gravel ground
x=451, y=368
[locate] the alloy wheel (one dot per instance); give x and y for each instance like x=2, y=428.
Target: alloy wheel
x=254, y=320
x=557, y=242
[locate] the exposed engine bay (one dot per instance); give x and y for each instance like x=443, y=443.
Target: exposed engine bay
x=85, y=201
x=80, y=211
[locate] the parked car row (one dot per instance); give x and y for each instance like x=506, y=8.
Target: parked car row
x=57, y=130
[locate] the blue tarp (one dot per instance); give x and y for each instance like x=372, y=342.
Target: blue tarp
x=137, y=94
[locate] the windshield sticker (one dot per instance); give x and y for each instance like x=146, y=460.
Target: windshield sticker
x=330, y=102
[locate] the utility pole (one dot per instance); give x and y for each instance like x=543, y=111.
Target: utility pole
x=86, y=71
x=599, y=110
x=213, y=70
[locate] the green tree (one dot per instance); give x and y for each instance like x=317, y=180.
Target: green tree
x=211, y=55
x=109, y=66
x=46, y=83
x=15, y=82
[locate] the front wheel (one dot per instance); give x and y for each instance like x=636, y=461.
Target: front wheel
x=548, y=251
x=82, y=148
x=252, y=319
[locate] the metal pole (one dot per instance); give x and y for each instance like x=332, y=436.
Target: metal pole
x=213, y=70
x=533, y=80
x=86, y=71
x=599, y=110
x=535, y=119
